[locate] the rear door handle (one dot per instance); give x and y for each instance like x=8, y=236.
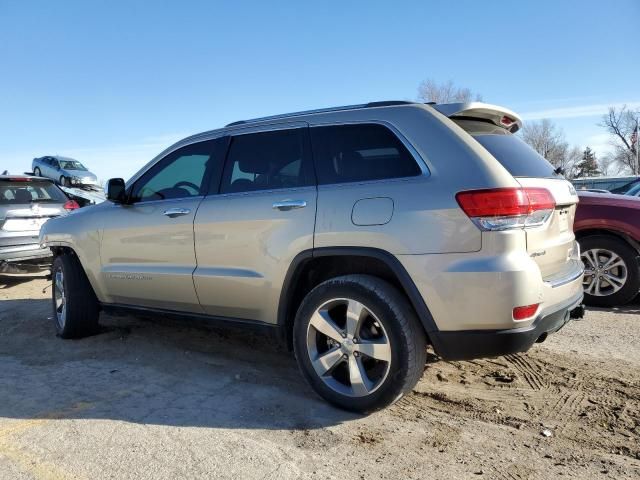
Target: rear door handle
x=176, y=212
x=287, y=205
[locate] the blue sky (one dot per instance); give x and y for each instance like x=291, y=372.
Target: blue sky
x=114, y=82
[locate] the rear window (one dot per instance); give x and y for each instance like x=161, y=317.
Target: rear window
x=20, y=192
x=516, y=156
x=356, y=153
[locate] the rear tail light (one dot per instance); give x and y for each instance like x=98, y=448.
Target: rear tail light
x=507, y=208
x=525, y=312
x=71, y=205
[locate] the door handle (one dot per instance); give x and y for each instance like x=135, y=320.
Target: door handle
x=287, y=205
x=176, y=212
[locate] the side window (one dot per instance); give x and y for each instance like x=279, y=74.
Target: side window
x=266, y=161
x=181, y=174
x=356, y=153
x=54, y=163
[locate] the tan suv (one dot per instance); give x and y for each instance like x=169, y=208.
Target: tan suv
x=356, y=234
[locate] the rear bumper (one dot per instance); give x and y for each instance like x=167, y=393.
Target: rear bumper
x=27, y=252
x=469, y=344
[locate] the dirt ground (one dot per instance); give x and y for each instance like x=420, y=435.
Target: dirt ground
x=160, y=400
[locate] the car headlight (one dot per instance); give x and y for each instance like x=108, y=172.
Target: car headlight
x=76, y=179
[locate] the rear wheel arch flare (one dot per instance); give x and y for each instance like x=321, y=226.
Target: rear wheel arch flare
x=311, y=267
x=581, y=234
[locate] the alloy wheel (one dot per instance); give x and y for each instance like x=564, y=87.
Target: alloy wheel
x=348, y=347
x=605, y=272
x=60, y=299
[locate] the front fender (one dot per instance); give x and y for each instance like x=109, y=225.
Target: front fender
x=79, y=232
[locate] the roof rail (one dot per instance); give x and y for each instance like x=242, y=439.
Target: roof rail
x=388, y=103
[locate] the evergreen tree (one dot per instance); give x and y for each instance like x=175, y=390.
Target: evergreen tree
x=588, y=166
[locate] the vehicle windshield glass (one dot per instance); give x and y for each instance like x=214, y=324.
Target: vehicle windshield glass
x=72, y=165
x=634, y=190
x=21, y=192
x=515, y=155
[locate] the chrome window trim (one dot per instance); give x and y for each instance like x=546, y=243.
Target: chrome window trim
x=243, y=129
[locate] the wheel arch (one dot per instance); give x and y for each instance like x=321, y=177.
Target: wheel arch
x=587, y=232
x=311, y=267
x=61, y=249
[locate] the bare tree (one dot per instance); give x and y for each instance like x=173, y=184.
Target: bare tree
x=548, y=140
x=608, y=165
x=432, y=91
x=621, y=123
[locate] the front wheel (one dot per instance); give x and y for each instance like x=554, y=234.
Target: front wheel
x=75, y=306
x=358, y=343
x=64, y=181
x=611, y=276
x=36, y=172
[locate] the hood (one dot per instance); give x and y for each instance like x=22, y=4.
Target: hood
x=610, y=199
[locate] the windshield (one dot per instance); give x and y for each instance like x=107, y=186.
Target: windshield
x=71, y=165
x=21, y=192
x=515, y=155
x=635, y=190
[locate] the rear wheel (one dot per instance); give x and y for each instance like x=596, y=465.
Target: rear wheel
x=75, y=306
x=358, y=342
x=36, y=172
x=611, y=274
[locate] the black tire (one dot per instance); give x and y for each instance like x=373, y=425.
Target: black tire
x=406, y=339
x=64, y=181
x=630, y=258
x=82, y=308
x=37, y=172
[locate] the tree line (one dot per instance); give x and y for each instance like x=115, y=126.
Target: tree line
x=548, y=139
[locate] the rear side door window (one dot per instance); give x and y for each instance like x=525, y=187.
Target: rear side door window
x=267, y=161
x=360, y=152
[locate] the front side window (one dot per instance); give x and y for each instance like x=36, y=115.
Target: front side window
x=266, y=161
x=356, y=153
x=181, y=174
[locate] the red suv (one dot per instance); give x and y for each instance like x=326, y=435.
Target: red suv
x=607, y=227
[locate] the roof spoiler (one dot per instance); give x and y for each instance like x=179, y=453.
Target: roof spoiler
x=499, y=116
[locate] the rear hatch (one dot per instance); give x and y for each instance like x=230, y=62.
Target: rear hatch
x=25, y=204
x=550, y=245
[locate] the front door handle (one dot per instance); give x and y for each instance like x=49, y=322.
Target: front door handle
x=176, y=212
x=287, y=205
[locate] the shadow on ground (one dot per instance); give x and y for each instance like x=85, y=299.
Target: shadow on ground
x=152, y=372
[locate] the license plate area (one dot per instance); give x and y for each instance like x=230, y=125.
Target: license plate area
x=563, y=219
x=23, y=224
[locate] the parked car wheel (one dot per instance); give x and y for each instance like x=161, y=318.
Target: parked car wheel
x=36, y=172
x=75, y=306
x=359, y=343
x=64, y=181
x=611, y=271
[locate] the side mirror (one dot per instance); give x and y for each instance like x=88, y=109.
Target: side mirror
x=116, y=190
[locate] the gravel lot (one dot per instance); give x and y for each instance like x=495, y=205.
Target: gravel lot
x=160, y=400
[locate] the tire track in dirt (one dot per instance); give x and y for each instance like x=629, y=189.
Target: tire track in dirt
x=421, y=404
x=531, y=370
